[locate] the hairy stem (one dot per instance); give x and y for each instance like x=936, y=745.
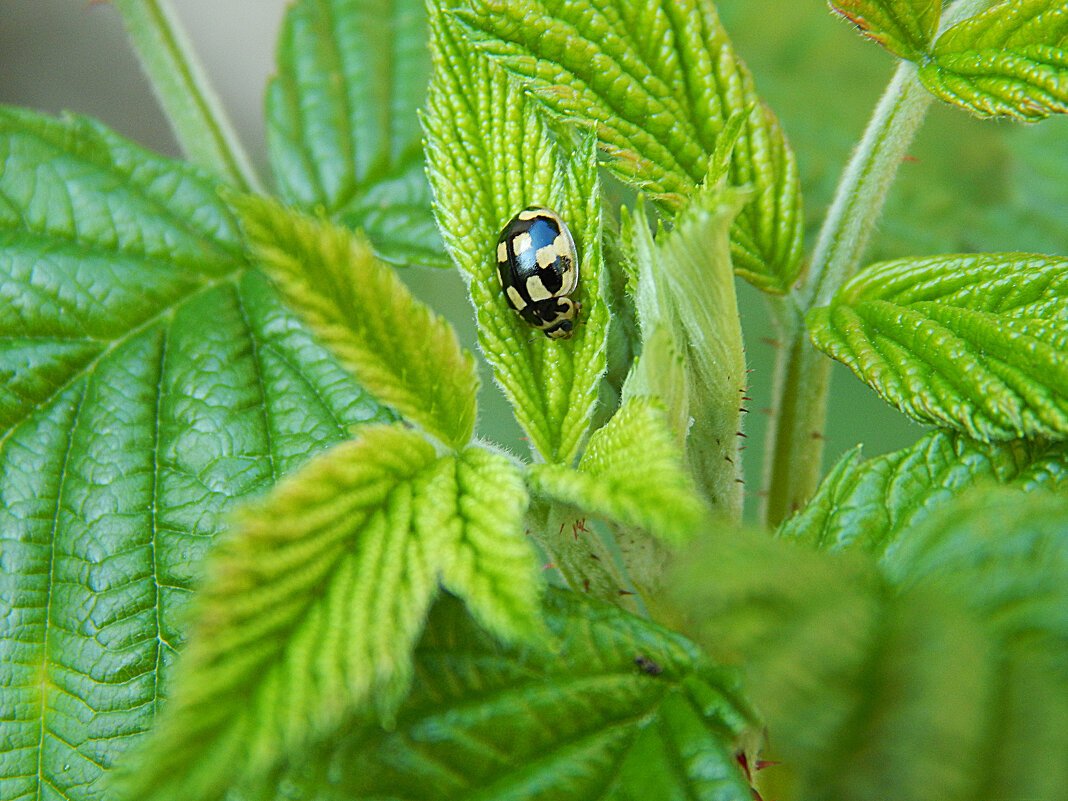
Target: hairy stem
x=192, y=108
x=802, y=374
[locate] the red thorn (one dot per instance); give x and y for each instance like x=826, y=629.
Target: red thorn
x=548, y=566
x=624, y=592
x=740, y=434
x=910, y=158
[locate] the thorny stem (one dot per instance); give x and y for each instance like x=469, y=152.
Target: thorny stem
x=802, y=374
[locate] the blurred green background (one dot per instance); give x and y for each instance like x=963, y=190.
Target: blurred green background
x=968, y=186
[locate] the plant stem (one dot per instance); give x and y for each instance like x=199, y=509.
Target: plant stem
x=802, y=374
x=202, y=129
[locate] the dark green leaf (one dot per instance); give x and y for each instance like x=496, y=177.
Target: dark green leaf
x=975, y=342
x=148, y=381
x=870, y=503
x=342, y=131
x=658, y=81
x=491, y=155
x=1009, y=61
x=407, y=356
x=581, y=723
x=904, y=27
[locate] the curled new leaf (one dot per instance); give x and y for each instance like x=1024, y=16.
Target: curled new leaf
x=1009, y=61
x=974, y=342
x=407, y=356
x=658, y=81
x=491, y=155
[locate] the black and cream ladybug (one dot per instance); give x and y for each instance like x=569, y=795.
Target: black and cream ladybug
x=538, y=268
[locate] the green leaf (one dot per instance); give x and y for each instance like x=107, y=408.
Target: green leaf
x=904, y=27
x=941, y=676
x=975, y=342
x=658, y=81
x=407, y=356
x=316, y=602
x=692, y=356
x=871, y=503
x=631, y=474
x=148, y=380
x=1006, y=555
x=580, y=723
x=1009, y=61
x=491, y=155
x=342, y=132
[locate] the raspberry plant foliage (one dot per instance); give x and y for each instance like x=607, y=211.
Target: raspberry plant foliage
x=255, y=543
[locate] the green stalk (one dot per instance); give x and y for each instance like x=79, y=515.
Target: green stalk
x=202, y=129
x=802, y=374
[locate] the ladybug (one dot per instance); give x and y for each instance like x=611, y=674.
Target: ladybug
x=538, y=268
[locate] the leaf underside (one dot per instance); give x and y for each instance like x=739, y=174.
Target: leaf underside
x=148, y=380
x=490, y=155
x=1009, y=61
x=904, y=27
x=342, y=131
x=973, y=342
x=658, y=82
x=582, y=722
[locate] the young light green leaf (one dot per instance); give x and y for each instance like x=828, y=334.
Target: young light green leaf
x=148, y=380
x=490, y=155
x=1009, y=61
x=631, y=474
x=911, y=685
x=692, y=357
x=870, y=503
x=622, y=709
x=342, y=132
x=974, y=342
x=316, y=602
x=407, y=356
x=904, y=27
x=658, y=80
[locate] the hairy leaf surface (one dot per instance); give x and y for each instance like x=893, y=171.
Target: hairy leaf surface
x=904, y=27
x=491, y=155
x=1009, y=61
x=581, y=722
x=658, y=81
x=871, y=503
x=315, y=604
x=632, y=474
x=406, y=355
x=974, y=342
x=147, y=381
x=342, y=131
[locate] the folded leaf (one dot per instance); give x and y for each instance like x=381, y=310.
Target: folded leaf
x=148, y=380
x=692, y=357
x=904, y=27
x=407, y=356
x=870, y=503
x=621, y=709
x=658, y=81
x=316, y=602
x=1009, y=61
x=491, y=155
x=342, y=132
x=974, y=342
